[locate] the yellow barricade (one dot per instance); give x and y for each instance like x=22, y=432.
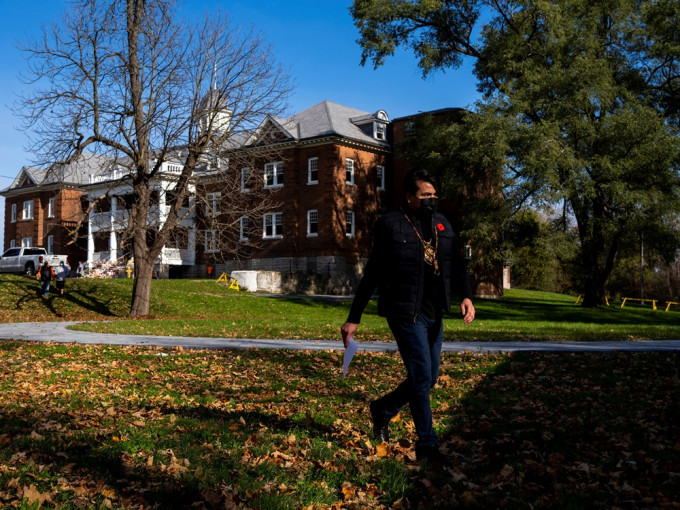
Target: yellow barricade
x=643, y=301
x=224, y=278
x=669, y=303
x=578, y=299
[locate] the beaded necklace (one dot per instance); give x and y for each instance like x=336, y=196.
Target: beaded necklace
x=430, y=252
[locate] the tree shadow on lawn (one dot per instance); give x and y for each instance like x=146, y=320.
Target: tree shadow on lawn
x=564, y=430
x=97, y=460
x=526, y=310
x=517, y=309
x=28, y=294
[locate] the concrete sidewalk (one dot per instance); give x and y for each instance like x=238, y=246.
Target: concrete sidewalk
x=57, y=332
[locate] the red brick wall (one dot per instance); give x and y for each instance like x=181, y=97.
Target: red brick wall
x=67, y=210
x=331, y=197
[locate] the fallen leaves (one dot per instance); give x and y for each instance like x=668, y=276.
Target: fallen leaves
x=126, y=427
x=33, y=495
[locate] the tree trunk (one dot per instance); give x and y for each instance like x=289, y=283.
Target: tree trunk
x=597, y=265
x=141, y=288
x=594, y=292
x=145, y=253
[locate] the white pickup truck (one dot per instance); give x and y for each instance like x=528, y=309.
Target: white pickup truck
x=28, y=260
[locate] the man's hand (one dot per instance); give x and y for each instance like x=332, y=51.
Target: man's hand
x=347, y=331
x=468, y=311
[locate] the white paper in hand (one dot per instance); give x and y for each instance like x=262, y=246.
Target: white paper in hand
x=351, y=348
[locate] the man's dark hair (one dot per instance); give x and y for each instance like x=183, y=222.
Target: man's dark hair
x=412, y=178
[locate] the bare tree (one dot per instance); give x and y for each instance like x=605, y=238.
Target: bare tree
x=132, y=81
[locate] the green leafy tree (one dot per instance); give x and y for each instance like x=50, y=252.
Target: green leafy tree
x=541, y=252
x=471, y=182
x=568, y=96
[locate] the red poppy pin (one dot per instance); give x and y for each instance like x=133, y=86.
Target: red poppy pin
x=440, y=227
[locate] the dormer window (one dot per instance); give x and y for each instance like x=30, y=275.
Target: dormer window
x=377, y=121
x=379, y=131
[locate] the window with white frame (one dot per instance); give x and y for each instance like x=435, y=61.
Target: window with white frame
x=13, y=218
x=50, y=244
x=272, y=225
x=12, y=244
x=243, y=228
x=379, y=131
x=210, y=241
x=273, y=175
x=245, y=179
x=349, y=223
x=28, y=210
x=349, y=171
x=313, y=171
x=312, y=223
x=50, y=207
x=381, y=177
x=212, y=207
x=26, y=242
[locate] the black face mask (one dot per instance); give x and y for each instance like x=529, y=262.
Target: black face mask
x=428, y=206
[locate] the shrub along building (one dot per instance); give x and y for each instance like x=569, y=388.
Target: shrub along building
x=326, y=173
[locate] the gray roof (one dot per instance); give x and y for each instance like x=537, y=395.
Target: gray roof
x=76, y=173
x=327, y=119
x=323, y=119
x=79, y=171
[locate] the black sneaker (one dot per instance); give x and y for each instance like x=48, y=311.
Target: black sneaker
x=381, y=431
x=433, y=455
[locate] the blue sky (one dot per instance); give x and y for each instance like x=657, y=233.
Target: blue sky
x=315, y=40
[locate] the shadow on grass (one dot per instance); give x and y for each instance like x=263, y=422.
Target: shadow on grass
x=28, y=295
x=101, y=458
x=566, y=431
x=536, y=310
x=561, y=309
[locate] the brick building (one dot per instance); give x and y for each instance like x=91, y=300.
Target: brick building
x=327, y=167
x=43, y=207
x=330, y=169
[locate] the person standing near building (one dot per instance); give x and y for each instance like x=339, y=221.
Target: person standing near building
x=60, y=274
x=45, y=275
x=414, y=265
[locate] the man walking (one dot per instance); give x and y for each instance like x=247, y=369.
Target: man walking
x=60, y=274
x=415, y=265
x=45, y=275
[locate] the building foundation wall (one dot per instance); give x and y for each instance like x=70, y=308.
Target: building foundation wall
x=304, y=275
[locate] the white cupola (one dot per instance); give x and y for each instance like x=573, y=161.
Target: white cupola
x=214, y=112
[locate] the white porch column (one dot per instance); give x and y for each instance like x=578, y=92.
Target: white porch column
x=191, y=246
x=113, y=245
x=162, y=216
x=90, y=239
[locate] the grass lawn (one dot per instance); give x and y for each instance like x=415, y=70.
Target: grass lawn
x=131, y=427
x=204, y=308
x=115, y=427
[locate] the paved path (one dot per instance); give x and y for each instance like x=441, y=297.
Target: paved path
x=57, y=332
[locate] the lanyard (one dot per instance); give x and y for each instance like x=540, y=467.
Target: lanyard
x=430, y=252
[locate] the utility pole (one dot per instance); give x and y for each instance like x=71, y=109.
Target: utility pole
x=642, y=267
